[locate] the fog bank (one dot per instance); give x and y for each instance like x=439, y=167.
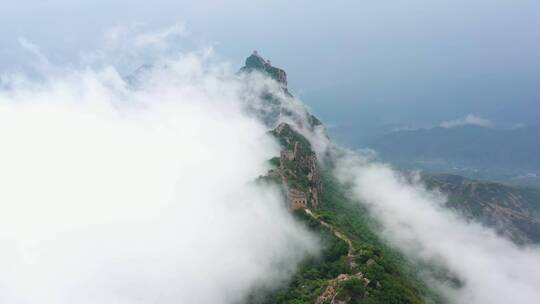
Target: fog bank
x=115, y=193
x=491, y=269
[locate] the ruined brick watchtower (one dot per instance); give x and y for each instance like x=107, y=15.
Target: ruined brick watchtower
x=297, y=199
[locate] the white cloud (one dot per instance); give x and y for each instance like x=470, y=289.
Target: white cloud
x=130, y=46
x=492, y=269
x=157, y=38
x=119, y=195
x=470, y=119
x=404, y=128
x=39, y=59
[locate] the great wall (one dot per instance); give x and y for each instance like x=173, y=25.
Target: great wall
x=299, y=174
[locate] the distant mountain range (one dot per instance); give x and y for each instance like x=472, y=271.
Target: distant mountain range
x=506, y=155
x=512, y=211
x=511, y=156
x=356, y=265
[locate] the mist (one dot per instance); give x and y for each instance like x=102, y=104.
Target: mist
x=377, y=65
x=115, y=192
x=489, y=268
x=141, y=187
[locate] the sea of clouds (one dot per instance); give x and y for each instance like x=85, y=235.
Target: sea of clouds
x=138, y=189
x=141, y=189
x=488, y=267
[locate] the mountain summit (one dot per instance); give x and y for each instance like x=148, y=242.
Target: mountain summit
x=353, y=264
x=256, y=63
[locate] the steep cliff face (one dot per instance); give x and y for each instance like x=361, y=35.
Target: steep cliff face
x=298, y=165
x=256, y=63
x=353, y=265
x=273, y=104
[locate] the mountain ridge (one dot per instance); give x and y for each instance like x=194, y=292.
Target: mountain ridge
x=512, y=211
x=358, y=265
x=502, y=155
x=354, y=265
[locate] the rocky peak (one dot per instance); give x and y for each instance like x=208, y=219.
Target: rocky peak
x=257, y=63
x=297, y=166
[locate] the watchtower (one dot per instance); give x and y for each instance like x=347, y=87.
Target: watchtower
x=297, y=199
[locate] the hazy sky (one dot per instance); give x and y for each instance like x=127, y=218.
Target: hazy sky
x=358, y=64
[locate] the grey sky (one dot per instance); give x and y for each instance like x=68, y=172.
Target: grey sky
x=359, y=64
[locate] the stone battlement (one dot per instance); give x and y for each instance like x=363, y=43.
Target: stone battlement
x=297, y=199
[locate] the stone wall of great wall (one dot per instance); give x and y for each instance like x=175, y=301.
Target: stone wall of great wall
x=296, y=199
x=298, y=166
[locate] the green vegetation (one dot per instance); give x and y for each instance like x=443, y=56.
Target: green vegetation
x=297, y=181
x=296, y=171
x=392, y=279
x=287, y=138
x=397, y=283
x=511, y=211
x=352, y=289
x=314, y=272
x=274, y=161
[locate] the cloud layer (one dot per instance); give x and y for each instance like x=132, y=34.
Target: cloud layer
x=469, y=120
x=120, y=194
x=492, y=269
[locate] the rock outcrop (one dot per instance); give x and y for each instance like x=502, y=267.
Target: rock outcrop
x=274, y=104
x=298, y=165
x=256, y=63
x=331, y=294
x=341, y=275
